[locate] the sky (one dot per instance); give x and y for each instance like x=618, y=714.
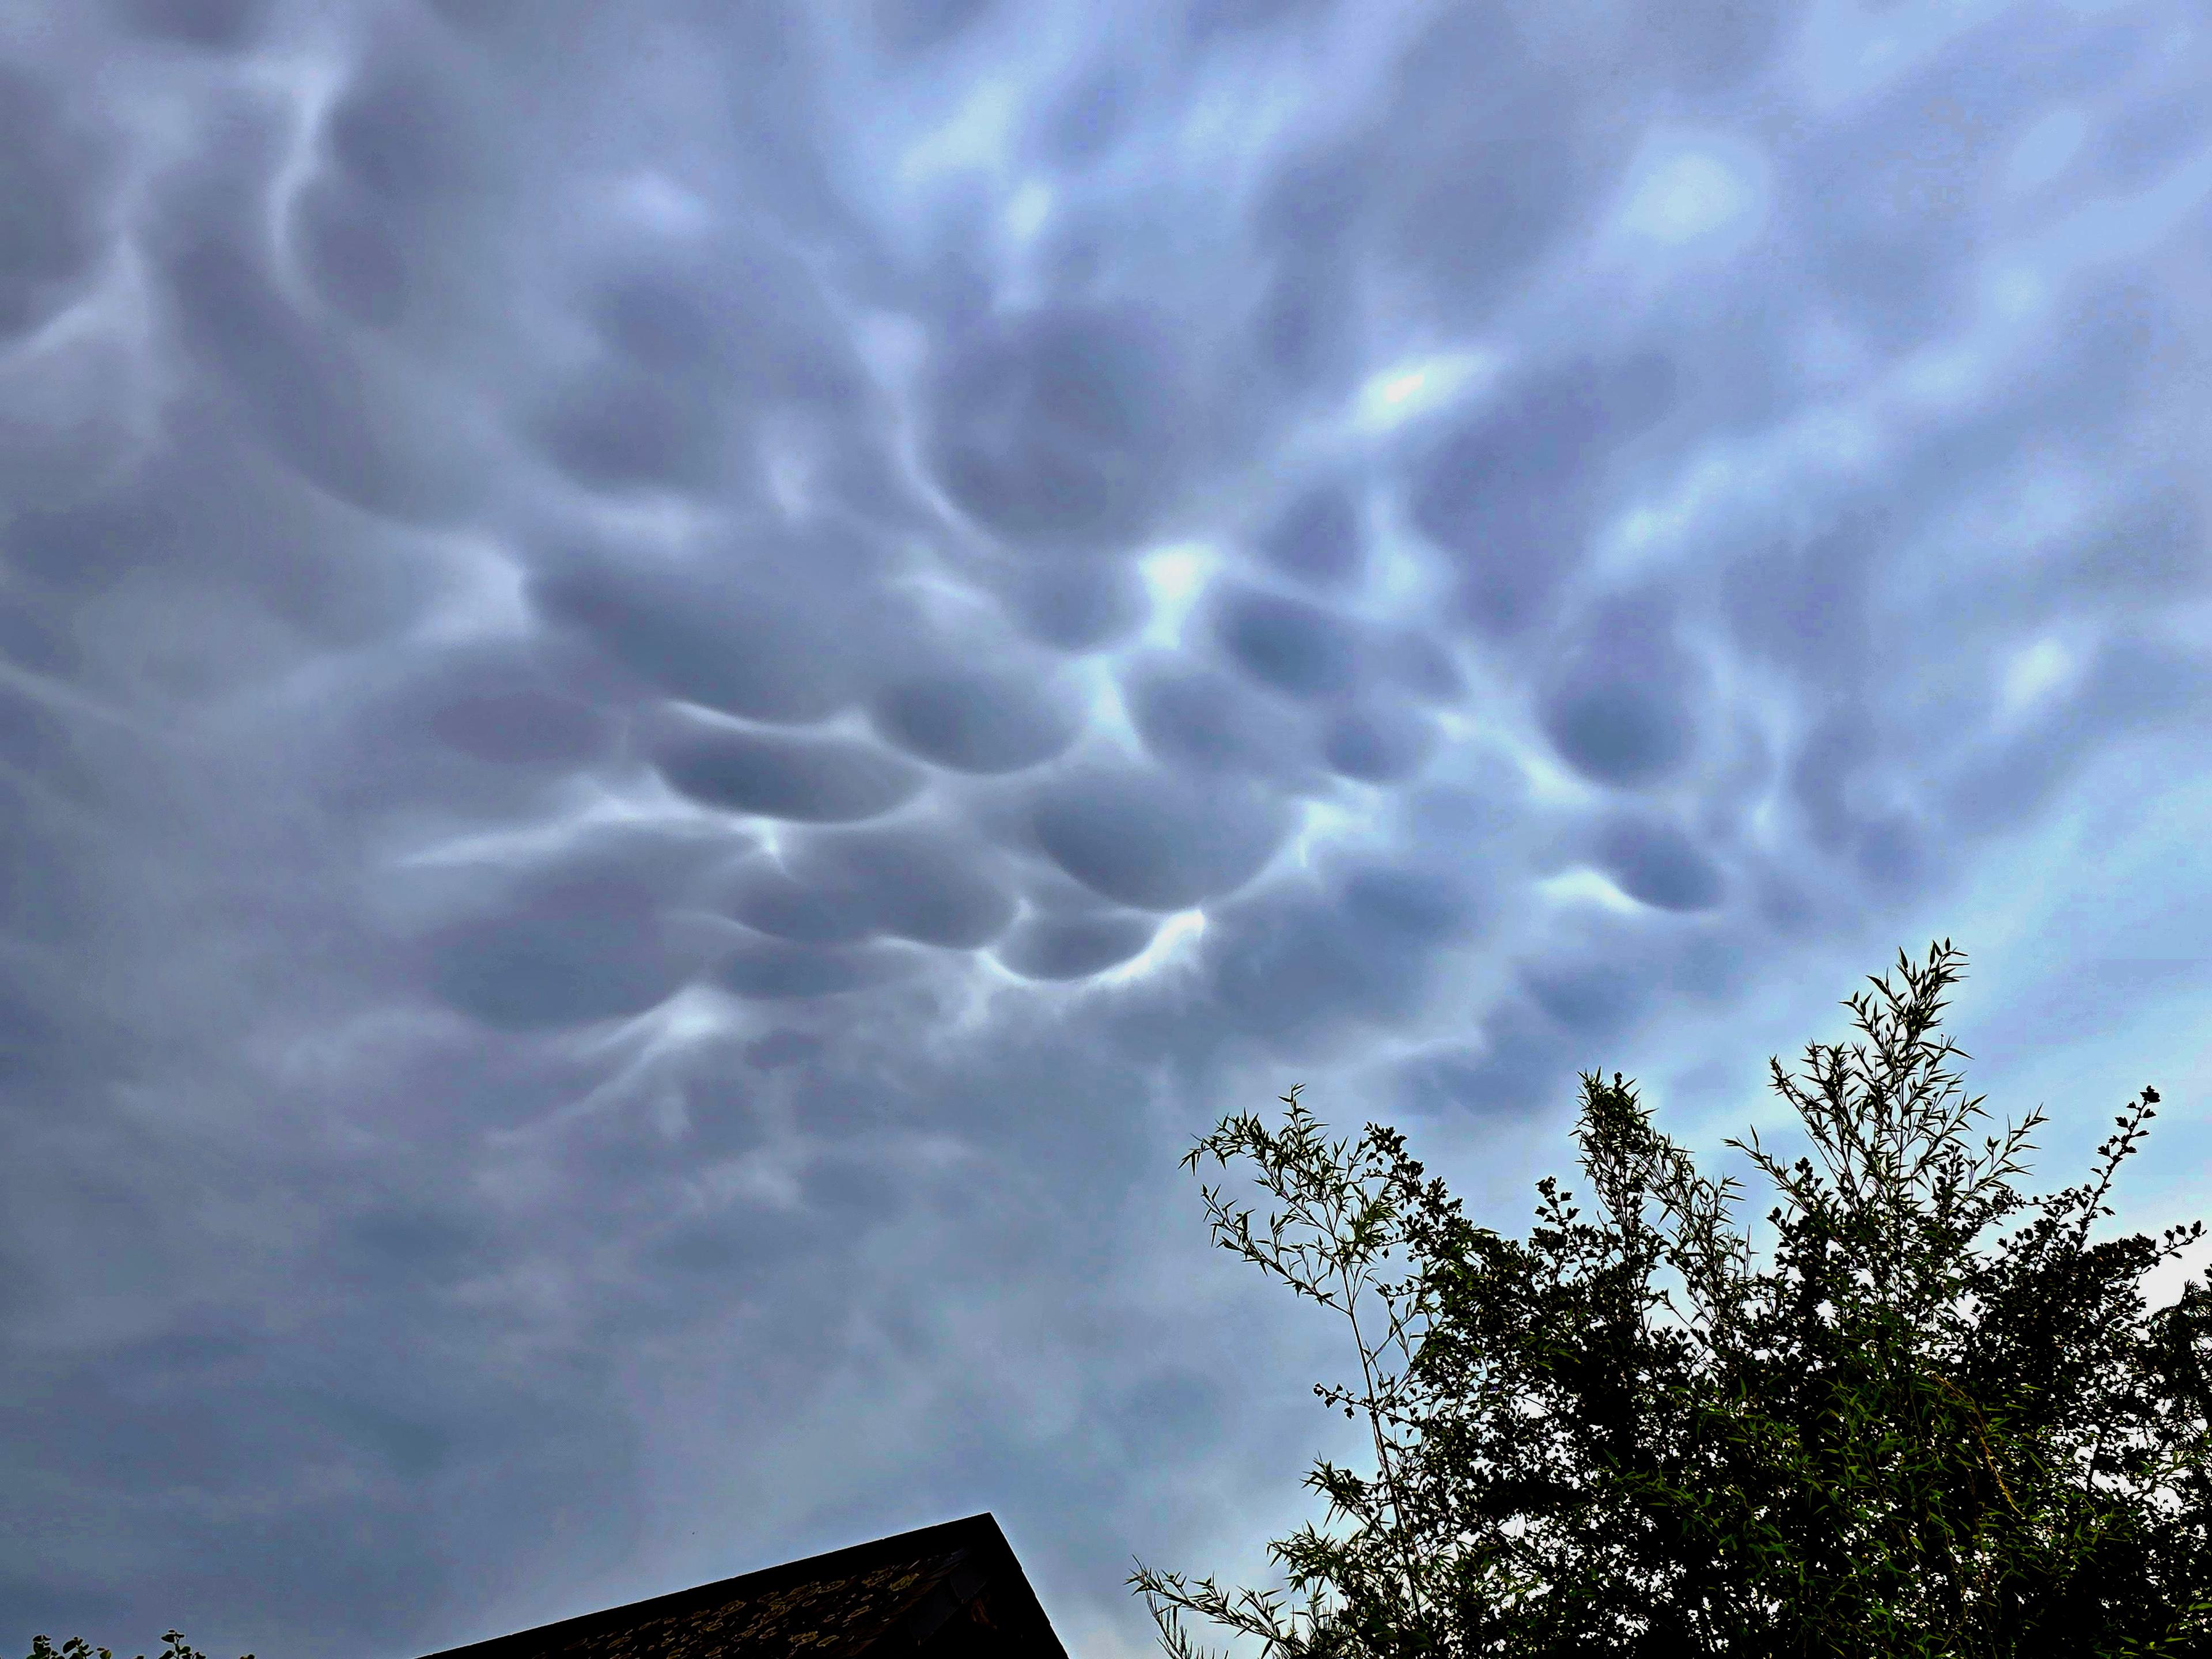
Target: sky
x=682, y=686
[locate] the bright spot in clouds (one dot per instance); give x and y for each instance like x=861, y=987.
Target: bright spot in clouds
x=1028, y=210
x=2036, y=673
x=1585, y=886
x=1408, y=390
x=1685, y=192
x=1178, y=935
x=1175, y=578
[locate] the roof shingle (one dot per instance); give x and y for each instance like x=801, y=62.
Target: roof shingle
x=952, y=1590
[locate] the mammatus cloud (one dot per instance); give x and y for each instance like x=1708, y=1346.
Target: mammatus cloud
x=683, y=684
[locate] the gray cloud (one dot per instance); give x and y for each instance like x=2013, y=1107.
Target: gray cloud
x=52, y=238
x=1655, y=862
x=682, y=684
x=977, y=721
x=1154, y=840
x=1507, y=494
x=1061, y=429
x=1076, y=947
x=810, y=781
x=1316, y=536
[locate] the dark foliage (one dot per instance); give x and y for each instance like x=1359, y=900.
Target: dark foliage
x=1932, y=1416
x=77, y=1647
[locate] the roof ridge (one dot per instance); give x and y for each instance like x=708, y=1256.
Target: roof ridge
x=948, y=1539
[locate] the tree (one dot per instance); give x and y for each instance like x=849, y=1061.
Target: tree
x=1932, y=1416
x=77, y=1647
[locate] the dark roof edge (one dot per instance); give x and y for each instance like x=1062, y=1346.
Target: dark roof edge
x=1017, y=1582
x=979, y=1531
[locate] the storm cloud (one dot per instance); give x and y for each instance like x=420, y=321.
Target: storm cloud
x=683, y=684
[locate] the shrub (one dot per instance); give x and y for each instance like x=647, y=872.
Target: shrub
x=1932, y=1416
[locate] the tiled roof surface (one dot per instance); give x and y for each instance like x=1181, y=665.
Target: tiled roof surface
x=837, y=1606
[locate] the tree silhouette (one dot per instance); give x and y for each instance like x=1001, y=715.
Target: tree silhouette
x=1931, y=1417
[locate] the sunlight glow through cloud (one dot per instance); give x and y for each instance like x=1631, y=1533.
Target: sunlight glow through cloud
x=1171, y=947
x=1409, y=391
x=2035, y=673
x=1583, y=885
x=1687, y=191
x=1175, y=581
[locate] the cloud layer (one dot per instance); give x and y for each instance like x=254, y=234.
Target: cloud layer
x=682, y=684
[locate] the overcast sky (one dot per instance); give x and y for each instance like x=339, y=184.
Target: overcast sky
x=686, y=682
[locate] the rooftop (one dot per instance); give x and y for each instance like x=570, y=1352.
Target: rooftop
x=945, y=1592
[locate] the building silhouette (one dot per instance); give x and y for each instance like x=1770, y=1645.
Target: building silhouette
x=951, y=1591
